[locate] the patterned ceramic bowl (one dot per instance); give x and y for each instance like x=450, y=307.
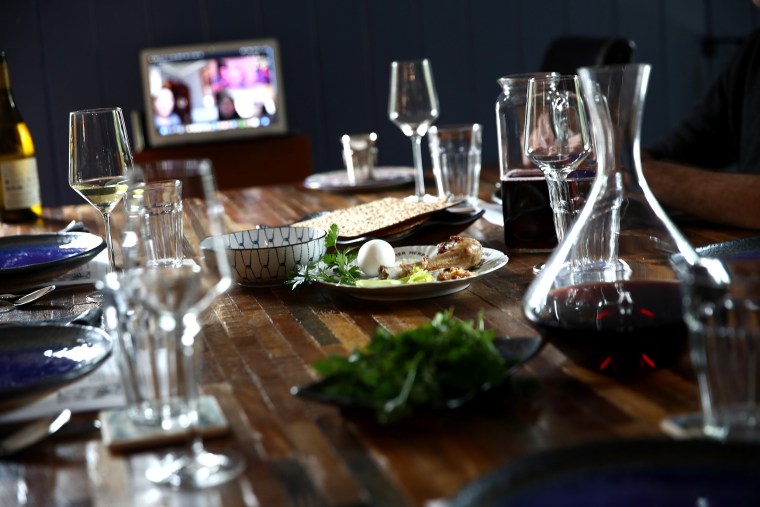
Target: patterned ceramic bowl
x=264, y=257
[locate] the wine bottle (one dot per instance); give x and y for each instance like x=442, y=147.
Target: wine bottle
x=19, y=182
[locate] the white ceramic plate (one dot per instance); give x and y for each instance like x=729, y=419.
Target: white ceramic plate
x=383, y=178
x=492, y=260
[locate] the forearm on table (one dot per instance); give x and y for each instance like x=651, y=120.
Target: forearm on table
x=725, y=198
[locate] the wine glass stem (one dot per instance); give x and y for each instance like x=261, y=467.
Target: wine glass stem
x=186, y=342
x=109, y=242
x=559, y=197
x=419, y=175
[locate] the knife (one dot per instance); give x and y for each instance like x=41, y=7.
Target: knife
x=33, y=433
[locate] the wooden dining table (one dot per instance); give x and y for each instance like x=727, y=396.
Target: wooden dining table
x=258, y=343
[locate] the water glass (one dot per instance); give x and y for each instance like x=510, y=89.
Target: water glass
x=148, y=357
x=155, y=312
x=359, y=156
x=162, y=206
x=455, y=151
x=722, y=312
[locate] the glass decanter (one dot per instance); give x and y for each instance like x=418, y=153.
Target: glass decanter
x=609, y=296
x=528, y=219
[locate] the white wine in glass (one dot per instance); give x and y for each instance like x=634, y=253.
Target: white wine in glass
x=103, y=193
x=99, y=161
x=413, y=107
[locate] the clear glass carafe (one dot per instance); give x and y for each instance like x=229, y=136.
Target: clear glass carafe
x=528, y=219
x=609, y=296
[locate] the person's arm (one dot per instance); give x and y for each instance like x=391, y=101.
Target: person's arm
x=725, y=198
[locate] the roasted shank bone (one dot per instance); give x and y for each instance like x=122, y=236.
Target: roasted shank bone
x=457, y=252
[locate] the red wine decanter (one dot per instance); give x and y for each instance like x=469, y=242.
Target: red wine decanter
x=609, y=297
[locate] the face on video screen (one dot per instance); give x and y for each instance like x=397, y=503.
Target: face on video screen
x=196, y=92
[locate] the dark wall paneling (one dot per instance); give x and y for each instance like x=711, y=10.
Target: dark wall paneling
x=498, y=51
x=684, y=66
x=293, y=24
x=407, y=21
x=336, y=58
x=75, y=78
x=347, y=93
x=644, y=23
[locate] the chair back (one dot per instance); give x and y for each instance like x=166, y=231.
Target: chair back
x=566, y=54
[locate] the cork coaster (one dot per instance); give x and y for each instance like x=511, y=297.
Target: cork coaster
x=120, y=434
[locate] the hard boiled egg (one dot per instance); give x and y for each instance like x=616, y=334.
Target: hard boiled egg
x=373, y=254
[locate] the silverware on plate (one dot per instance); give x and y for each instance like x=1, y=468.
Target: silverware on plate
x=10, y=301
x=32, y=433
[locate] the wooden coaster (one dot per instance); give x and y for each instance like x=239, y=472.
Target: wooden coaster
x=121, y=434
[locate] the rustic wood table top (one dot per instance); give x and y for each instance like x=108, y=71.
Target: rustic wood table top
x=259, y=343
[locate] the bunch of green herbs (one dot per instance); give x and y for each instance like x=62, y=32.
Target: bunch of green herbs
x=427, y=366
x=336, y=266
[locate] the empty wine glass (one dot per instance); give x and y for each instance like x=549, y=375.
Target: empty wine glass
x=170, y=297
x=557, y=140
x=413, y=107
x=99, y=159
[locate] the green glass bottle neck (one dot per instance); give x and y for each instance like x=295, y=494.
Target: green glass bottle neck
x=5, y=80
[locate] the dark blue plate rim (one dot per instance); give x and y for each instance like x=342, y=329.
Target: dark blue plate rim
x=53, y=240
x=55, y=336
x=534, y=477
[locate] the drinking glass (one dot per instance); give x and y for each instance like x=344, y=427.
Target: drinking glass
x=557, y=140
x=99, y=158
x=413, y=107
x=171, y=297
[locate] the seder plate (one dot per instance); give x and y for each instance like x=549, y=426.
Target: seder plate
x=492, y=260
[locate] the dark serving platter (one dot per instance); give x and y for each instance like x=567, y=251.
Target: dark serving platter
x=518, y=349
x=653, y=473
x=30, y=258
x=38, y=358
x=442, y=224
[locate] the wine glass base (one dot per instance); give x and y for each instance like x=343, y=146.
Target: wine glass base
x=195, y=470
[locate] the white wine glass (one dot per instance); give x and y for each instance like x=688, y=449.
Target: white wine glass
x=99, y=161
x=173, y=297
x=557, y=140
x=413, y=107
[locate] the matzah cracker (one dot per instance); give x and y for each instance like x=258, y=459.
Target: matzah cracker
x=375, y=217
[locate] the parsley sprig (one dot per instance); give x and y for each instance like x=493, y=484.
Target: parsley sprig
x=336, y=266
x=432, y=365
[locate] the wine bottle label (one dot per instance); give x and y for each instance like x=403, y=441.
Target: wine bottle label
x=20, y=184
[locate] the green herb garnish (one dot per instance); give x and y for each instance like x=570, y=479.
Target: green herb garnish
x=430, y=365
x=336, y=266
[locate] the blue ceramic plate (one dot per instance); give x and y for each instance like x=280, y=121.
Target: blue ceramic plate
x=38, y=358
x=625, y=474
x=744, y=247
x=34, y=257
